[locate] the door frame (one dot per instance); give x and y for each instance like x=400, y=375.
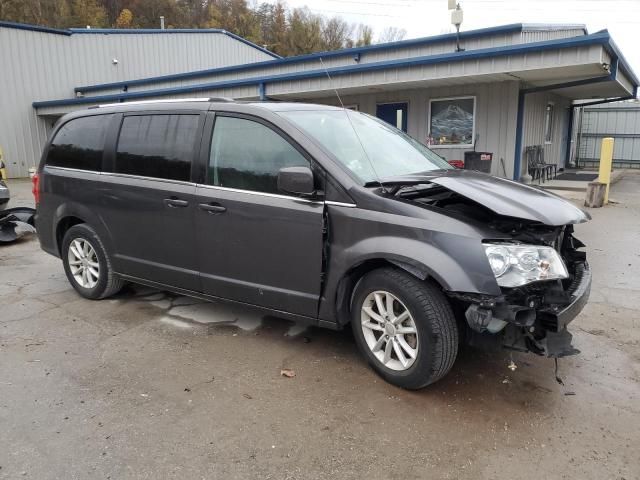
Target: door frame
x=406, y=102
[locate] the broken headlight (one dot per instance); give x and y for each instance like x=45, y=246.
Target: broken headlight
x=516, y=265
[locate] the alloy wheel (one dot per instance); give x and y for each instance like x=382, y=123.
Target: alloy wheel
x=389, y=330
x=83, y=263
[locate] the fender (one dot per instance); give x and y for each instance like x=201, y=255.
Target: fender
x=440, y=257
x=74, y=209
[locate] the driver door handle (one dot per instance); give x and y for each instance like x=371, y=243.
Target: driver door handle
x=175, y=202
x=212, y=208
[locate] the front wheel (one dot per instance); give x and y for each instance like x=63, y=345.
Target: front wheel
x=405, y=328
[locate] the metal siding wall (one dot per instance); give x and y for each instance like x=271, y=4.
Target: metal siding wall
x=540, y=35
x=534, y=117
x=496, y=110
x=620, y=121
x=40, y=66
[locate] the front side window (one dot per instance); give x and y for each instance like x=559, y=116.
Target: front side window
x=452, y=121
x=158, y=146
x=79, y=143
x=369, y=147
x=247, y=155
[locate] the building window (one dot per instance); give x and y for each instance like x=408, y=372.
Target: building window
x=452, y=121
x=548, y=123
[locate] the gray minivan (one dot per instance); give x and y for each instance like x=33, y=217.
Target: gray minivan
x=316, y=214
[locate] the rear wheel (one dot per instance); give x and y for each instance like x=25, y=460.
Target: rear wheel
x=87, y=265
x=405, y=328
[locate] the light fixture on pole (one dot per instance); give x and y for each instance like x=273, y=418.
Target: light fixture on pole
x=456, y=19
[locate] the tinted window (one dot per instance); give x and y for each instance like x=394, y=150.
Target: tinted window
x=248, y=155
x=79, y=143
x=159, y=146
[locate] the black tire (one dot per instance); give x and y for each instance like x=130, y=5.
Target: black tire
x=433, y=318
x=108, y=282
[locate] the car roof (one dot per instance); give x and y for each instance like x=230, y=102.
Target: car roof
x=203, y=104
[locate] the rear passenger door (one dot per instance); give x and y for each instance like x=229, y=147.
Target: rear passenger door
x=149, y=205
x=256, y=244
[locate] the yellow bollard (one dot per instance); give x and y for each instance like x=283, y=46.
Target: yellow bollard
x=606, y=160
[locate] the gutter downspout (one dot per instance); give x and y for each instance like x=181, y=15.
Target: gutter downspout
x=567, y=153
x=517, y=167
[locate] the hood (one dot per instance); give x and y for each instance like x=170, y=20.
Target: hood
x=503, y=197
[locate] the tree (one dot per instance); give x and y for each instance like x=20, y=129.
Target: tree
x=85, y=13
x=125, y=19
x=364, y=35
x=392, y=34
x=282, y=30
x=336, y=33
x=305, y=32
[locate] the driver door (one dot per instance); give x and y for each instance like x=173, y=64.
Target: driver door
x=255, y=244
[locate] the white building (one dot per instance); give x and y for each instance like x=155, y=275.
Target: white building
x=512, y=86
x=43, y=63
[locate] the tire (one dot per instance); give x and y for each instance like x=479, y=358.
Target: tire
x=430, y=316
x=102, y=285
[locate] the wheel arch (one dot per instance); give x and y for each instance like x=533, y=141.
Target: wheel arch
x=351, y=277
x=69, y=214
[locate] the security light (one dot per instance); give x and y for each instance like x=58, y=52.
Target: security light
x=456, y=19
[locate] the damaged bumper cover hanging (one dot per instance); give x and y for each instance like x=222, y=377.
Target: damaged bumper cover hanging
x=534, y=320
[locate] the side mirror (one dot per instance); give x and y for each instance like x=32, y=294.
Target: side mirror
x=298, y=180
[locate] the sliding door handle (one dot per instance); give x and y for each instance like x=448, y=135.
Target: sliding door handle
x=212, y=208
x=175, y=203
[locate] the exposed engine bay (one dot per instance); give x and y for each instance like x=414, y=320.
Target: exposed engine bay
x=532, y=317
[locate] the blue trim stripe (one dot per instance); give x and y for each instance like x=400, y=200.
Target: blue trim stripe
x=595, y=39
x=483, y=32
x=142, y=31
x=34, y=28
x=132, y=31
x=614, y=51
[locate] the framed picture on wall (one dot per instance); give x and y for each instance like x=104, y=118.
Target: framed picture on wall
x=452, y=121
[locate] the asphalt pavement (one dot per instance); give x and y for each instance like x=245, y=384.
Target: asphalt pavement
x=151, y=385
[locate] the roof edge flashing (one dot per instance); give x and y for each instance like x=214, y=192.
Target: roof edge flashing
x=586, y=40
x=33, y=28
x=445, y=37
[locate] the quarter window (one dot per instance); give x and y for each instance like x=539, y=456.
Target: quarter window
x=158, y=146
x=247, y=155
x=79, y=143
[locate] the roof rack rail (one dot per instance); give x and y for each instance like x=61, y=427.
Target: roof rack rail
x=167, y=100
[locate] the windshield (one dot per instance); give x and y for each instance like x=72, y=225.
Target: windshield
x=378, y=151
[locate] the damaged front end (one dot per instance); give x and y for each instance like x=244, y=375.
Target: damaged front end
x=543, y=276
x=532, y=317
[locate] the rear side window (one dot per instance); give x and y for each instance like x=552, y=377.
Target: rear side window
x=158, y=146
x=247, y=155
x=79, y=143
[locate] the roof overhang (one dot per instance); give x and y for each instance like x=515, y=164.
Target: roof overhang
x=583, y=67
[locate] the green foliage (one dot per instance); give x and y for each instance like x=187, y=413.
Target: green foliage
x=273, y=25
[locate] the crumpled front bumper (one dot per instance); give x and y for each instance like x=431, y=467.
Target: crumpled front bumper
x=561, y=315
x=534, y=321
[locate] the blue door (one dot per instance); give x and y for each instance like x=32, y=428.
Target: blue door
x=393, y=113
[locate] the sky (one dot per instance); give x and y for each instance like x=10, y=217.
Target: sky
x=422, y=18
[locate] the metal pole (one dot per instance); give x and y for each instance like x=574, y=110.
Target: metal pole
x=161, y=22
